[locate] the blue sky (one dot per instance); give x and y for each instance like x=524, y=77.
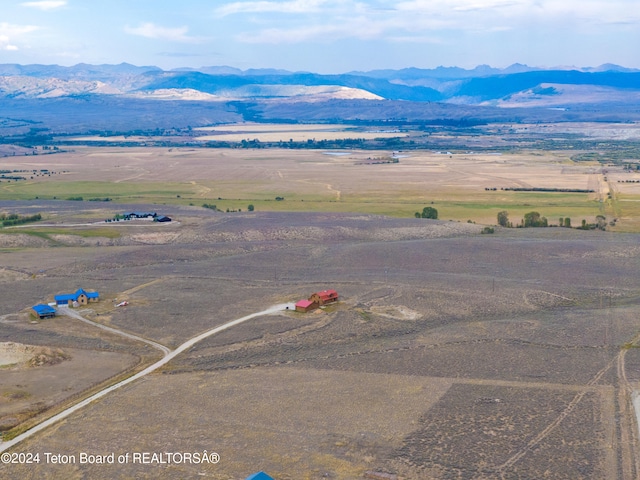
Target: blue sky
x=325, y=36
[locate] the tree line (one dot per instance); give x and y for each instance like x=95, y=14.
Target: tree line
x=11, y=219
x=534, y=219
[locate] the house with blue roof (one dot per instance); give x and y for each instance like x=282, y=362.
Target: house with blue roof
x=80, y=297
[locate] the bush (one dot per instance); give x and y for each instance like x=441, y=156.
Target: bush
x=503, y=218
x=428, y=212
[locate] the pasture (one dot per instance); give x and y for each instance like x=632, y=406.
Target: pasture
x=460, y=186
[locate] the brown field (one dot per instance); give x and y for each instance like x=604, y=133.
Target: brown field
x=450, y=355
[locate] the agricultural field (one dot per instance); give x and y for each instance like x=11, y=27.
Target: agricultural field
x=466, y=187
x=452, y=353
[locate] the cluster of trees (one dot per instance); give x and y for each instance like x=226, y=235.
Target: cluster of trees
x=534, y=219
x=545, y=189
x=531, y=219
x=600, y=224
x=427, y=212
x=15, y=219
x=211, y=206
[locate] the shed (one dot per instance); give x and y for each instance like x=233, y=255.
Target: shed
x=44, y=311
x=162, y=218
x=305, y=306
x=259, y=476
x=324, y=297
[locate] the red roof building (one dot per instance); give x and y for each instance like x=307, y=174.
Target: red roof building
x=324, y=297
x=305, y=306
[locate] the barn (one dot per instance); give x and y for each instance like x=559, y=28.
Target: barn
x=305, y=306
x=80, y=297
x=44, y=311
x=324, y=297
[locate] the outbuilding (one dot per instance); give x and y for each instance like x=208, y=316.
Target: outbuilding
x=305, y=306
x=44, y=311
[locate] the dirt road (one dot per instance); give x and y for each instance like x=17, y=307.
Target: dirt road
x=72, y=313
x=166, y=359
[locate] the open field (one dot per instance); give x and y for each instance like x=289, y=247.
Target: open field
x=337, y=181
x=451, y=354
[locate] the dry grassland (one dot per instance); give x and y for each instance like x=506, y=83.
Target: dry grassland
x=451, y=354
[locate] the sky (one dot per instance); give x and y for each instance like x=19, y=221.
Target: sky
x=323, y=36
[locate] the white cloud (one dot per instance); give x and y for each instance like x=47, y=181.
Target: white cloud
x=361, y=27
x=525, y=11
x=289, y=6
x=150, y=30
x=5, y=45
x=418, y=21
x=45, y=4
x=9, y=31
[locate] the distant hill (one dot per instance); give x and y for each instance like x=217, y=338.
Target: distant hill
x=88, y=97
x=217, y=84
x=480, y=85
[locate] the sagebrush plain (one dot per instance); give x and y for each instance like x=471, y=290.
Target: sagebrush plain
x=451, y=354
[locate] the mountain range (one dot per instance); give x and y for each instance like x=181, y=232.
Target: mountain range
x=517, y=93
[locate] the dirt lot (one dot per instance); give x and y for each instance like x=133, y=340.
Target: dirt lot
x=37, y=378
x=451, y=354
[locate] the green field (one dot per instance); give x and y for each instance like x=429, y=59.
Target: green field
x=463, y=187
x=481, y=208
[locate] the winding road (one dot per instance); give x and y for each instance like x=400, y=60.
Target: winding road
x=168, y=356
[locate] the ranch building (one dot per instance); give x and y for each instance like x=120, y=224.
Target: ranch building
x=324, y=297
x=305, y=306
x=316, y=300
x=44, y=311
x=80, y=297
